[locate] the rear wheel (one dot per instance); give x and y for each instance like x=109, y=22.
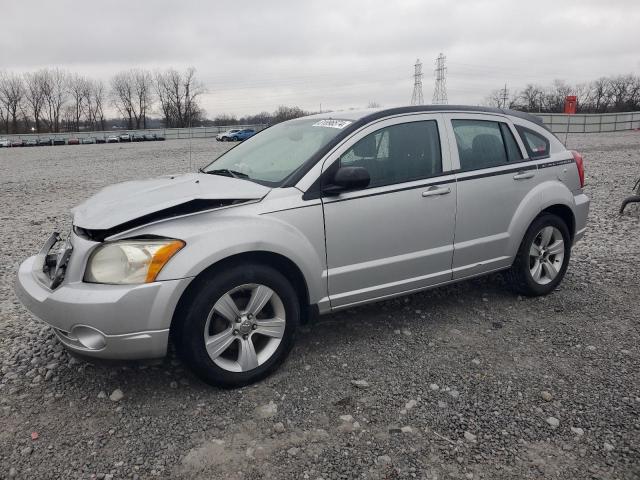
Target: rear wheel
x=240, y=325
x=235, y=139
x=542, y=258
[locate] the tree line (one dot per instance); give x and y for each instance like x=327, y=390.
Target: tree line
x=619, y=93
x=55, y=100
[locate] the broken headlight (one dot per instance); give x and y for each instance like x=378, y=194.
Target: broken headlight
x=130, y=261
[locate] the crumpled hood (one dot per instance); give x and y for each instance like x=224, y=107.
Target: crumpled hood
x=120, y=203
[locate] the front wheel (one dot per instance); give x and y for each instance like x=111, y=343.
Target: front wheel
x=240, y=325
x=542, y=258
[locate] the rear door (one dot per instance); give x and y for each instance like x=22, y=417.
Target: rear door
x=493, y=177
x=396, y=235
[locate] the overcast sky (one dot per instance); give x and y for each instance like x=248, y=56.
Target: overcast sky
x=256, y=55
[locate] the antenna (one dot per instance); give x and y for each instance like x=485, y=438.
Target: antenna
x=190, y=138
x=440, y=92
x=417, y=98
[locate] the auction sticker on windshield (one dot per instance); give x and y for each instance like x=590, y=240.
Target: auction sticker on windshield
x=332, y=123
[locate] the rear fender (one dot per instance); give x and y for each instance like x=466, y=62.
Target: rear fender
x=542, y=196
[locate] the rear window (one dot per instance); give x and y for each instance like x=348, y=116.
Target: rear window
x=484, y=144
x=537, y=145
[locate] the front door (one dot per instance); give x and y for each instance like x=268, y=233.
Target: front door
x=396, y=235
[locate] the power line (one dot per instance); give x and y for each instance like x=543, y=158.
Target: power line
x=440, y=91
x=417, y=98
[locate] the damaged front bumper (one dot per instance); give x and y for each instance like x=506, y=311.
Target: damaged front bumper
x=105, y=321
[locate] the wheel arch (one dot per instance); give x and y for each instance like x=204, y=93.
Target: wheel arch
x=565, y=213
x=278, y=261
x=548, y=197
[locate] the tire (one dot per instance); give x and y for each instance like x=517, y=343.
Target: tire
x=231, y=363
x=540, y=255
x=235, y=139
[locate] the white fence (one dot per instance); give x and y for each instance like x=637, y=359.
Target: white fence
x=557, y=122
x=168, y=133
x=590, y=122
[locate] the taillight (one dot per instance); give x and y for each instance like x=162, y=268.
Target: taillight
x=580, y=163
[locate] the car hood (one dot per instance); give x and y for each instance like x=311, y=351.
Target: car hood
x=125, y=202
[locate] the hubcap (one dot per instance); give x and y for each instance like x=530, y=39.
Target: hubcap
x=546, y=255
x=245, y=327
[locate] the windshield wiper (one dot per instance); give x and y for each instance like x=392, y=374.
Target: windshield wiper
x=226, y=172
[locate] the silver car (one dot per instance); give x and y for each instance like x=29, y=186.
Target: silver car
x=308, y=217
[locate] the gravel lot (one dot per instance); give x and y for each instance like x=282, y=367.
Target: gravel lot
x=468, y=381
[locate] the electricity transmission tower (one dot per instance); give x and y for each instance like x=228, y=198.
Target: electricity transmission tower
x=417, y=98
x=440, y=92
x=504, y=97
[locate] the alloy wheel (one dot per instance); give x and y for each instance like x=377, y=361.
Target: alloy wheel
x=546, y=255
x=245, y=327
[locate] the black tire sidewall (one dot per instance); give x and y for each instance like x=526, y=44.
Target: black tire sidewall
x=209, y=289
x=543, y=221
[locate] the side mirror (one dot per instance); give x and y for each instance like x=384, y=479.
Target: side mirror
x=348, y=178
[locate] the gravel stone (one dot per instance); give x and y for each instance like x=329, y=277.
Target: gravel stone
x=360, y=384
x=546, y=396
x=116, y=395
x=470, y=437
x=553, y=421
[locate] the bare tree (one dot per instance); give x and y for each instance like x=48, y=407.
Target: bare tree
x=284, y=113
x=143, y=95
x=178, y=96
x=78, y=88
x=35, y=96
x=54, y=85
x=12, y=97
x=94, y=104
x=122, y=96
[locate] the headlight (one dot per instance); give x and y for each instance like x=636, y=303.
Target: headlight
x=130, y=261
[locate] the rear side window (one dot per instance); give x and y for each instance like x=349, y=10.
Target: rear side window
x=483, y=144
x=399, y=153
x=537, y=145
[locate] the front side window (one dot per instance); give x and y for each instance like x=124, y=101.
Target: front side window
x=399, y=153
x=484, y=144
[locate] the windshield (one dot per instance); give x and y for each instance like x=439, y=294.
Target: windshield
x=270, y=156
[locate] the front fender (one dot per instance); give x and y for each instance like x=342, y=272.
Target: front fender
x=228, y=235
x=542, y=196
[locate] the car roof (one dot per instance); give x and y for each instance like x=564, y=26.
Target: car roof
x=370, y=114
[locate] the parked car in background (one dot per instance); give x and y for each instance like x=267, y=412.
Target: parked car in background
x=113, y=139
x=73, y=141
x=137, y=137
x=87, y=140
x=5, y=143
x=125, y=137
x=228, y=135
x=101, y=140
x=228, y=262
x=32, y=142
x=44, y=141
x=244, y=134
x=149, y=137
x=59, y=141
x=159, y=137
x=18, y=143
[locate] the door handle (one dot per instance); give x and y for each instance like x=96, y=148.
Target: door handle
x=523, y=175
x=433, y=191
